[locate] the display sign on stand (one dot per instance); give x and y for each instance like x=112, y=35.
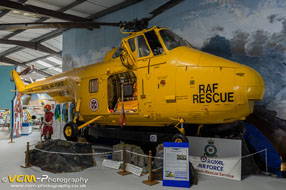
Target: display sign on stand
x=176, y=171
x=216, y=157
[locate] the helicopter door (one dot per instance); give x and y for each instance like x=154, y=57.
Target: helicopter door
x=129, y=88
x=127, y=54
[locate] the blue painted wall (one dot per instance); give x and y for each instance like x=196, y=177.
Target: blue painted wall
x=251, y=32
x=5, y=86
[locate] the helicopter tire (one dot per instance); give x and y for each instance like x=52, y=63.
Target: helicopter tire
x=71, y=131
x=179, y=138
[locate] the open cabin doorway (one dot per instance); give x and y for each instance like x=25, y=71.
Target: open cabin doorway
x=129, y=91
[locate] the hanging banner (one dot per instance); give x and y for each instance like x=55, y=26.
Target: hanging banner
x=216, y=157
x=176, y=171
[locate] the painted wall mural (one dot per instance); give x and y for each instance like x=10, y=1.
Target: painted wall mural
x=249, y=32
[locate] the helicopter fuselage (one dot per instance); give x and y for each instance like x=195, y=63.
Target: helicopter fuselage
x=160, y=86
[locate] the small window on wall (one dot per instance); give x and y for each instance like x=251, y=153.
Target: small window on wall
x=93, y=85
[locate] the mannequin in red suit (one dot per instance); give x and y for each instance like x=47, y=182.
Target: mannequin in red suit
x=48, y=123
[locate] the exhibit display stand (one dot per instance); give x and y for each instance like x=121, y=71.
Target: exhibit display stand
x=26, y=124
x=176, y=171
x=26, y=128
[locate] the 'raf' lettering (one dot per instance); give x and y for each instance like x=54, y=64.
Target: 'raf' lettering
x=208, y=94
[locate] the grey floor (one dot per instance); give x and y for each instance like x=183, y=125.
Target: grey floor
x=100, y=178
x=4, y=133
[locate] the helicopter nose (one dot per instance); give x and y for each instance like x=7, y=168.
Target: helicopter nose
x=254, y=84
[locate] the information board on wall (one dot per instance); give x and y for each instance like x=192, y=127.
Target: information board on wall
x=216, y=157
x=176, y=165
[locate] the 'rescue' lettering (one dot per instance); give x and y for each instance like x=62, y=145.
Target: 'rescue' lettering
x=208, y=94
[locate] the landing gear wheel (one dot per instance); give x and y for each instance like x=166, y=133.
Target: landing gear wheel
x=179, y=138
x=71, y=131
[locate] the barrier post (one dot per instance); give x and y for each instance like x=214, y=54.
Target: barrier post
x=124, y=172
x=27, y=160
x=12, y=134
x=11, y=131
x=150, y=181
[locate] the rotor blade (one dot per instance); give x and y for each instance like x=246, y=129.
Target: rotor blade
x=65, y=25
x=164, y=7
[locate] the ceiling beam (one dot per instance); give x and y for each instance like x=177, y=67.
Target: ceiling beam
x=58, y=32
x=72, y=5
x=11, y=61
x=31, y=45
x=37, y=59
x=43, y=19
x=40, y=39
x=42, y=25
x=54, y=66
x=44, y=37
x=114, y=8
x=39, y=10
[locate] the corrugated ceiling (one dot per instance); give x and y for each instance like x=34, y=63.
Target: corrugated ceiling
x=44, y=63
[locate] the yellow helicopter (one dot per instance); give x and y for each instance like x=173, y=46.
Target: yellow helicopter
x=153, y=79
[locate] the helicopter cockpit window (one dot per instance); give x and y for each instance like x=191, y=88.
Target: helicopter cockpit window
x=154, y=42
x=129, y=92
x=131, y=43
x=117, y=51
x=143, y=49
x=172, y=40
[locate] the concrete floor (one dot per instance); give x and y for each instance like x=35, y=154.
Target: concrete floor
x=100, y=178
x=4, y=133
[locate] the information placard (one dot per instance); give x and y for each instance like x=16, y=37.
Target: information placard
x=111, y=164
x=134, y=169
x=176, y=165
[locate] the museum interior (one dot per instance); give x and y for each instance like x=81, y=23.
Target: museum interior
x=143, y=94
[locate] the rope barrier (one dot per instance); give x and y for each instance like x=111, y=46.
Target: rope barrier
x=253, y=153
x=138, y=154
x=83, y=154
x=80, y=154
x=245, y=156
x=124, y=172
x=264, y=150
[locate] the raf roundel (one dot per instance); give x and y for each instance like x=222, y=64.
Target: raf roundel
x=93, y=104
